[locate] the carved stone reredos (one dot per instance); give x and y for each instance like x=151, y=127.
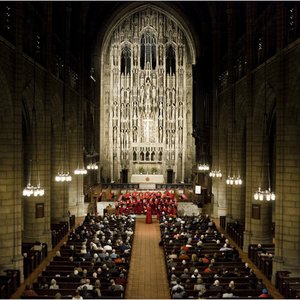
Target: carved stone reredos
x=145, y=98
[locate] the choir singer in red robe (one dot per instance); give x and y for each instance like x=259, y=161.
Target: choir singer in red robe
x=149, y=215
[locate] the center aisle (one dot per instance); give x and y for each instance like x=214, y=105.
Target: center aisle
x=147, y=276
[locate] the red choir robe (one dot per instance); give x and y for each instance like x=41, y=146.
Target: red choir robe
x=149, y=215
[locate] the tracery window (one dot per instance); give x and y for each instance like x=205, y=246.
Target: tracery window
x=170, y=61
x=126, y=61
x=148, y=50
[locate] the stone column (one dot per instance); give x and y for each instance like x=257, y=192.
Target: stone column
x=60, y=196
x=249, y=124
x=79, y=211
x=11, y=179
x=48, y=176
x=216, y=118
x=287, y=222
x=231, y=117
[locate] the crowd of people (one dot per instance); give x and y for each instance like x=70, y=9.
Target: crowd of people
x=137, y=202
x=95, y=258
x=202, y=263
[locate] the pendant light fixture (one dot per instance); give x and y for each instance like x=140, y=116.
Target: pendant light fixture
x=34, y=190
x=63, y=174
x=265, y=194
x=233, y=178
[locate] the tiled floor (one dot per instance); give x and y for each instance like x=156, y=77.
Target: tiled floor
x=147, y=277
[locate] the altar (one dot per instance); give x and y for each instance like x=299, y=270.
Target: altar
x=147, y=178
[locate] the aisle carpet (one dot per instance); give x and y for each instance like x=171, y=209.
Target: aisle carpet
x=147, y=277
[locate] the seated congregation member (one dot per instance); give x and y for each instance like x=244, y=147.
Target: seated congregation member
x=87, y=284
x=231, y=286
x=121, y=279
x=264, y=294
x=115, y=287
x=196, y=275
x=209, y=269
x=97, y=289
x=178, y=284
x=216, y=286
x=75, y=274
x=228, y=293
x=185, y=275
x=183, y=255
x=77, y=296
x=173, y=280
x=29, y=292
x=200, y=286
x=54, y=285
x=178, y=293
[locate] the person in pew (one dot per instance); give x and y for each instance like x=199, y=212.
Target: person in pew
x=228, y=293
x=231, y=286
x=75, y=274
x=113, y=254
x=53, y=285
x=209, y=269
x=183, y=255
x=185, y=275
x=173, y=255
x=216, y=286
x=200, y=286
x=97, y=289
x=173, y=280
x=177, y=285
x=87, y=284
x=43, y=284
x=264, y=294
x=108, y=246
x=205, y=259
x=115, y=287
x=121, y=279
x=179, y=293
x=201, y=295
x=77, y=296
x=29, y=292
x=252, y=279
x=86, y=293
x=194, y=259
x=259, y=285
x=78, y=268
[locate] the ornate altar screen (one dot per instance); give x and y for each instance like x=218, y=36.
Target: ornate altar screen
x=146, y=120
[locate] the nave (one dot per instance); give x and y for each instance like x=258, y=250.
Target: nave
x=147, y=276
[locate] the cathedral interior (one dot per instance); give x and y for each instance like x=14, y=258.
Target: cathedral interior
x=121, y=90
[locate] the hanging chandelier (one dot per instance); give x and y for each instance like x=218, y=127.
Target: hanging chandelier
x=92, y=166
x=265, y=194
x=232, y=179
x=63, y=175
x=31, y=190
x=203, y=167
x=80, y=171
x=215, y=173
